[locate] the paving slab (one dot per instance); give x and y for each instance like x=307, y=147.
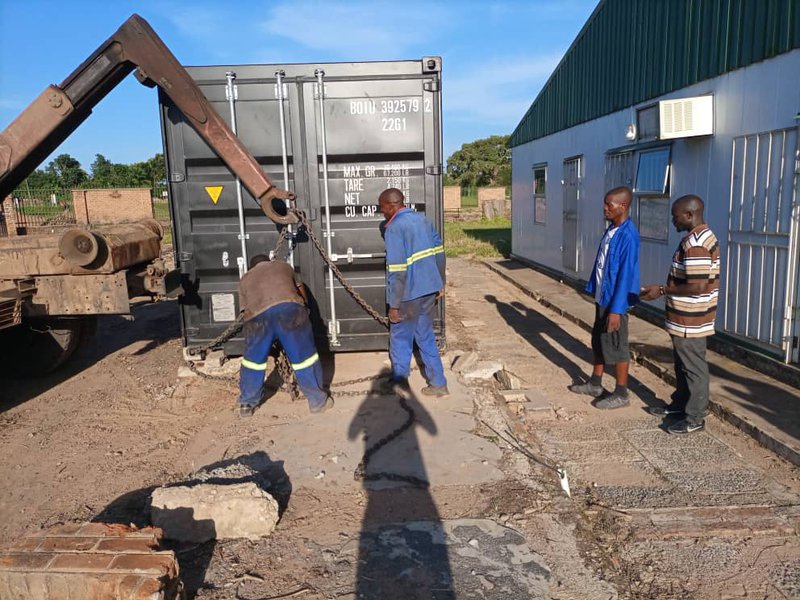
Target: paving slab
x=320, y=451
x=464, y=558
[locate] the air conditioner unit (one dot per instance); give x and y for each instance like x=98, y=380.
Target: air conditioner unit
x=686, y=117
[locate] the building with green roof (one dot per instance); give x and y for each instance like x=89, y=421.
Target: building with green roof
x=674, y=97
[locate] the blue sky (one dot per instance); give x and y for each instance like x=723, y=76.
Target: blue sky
x=496, y=56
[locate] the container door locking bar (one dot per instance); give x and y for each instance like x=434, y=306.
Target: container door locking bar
x=333, y=325
x=232, y=94
x=280, y=94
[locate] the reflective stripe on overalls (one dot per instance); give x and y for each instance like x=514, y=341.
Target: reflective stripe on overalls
x=247, y=364
x=306, y=363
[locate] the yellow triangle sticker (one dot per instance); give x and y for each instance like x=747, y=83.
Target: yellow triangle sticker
x=214, y=191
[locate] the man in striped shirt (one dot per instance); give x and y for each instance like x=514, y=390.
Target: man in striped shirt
x=691, y=306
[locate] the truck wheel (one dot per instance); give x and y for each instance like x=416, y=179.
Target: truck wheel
x=38, y=346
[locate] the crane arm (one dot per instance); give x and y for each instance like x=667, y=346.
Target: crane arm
x=59, y=110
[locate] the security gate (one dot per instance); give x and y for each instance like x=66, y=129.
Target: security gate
x=570, y=250
x=762, y=257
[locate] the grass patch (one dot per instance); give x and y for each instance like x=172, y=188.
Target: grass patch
x=161, y=210
x=487, y=238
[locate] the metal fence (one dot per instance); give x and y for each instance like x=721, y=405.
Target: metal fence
x=31, y=209
x=43, y=208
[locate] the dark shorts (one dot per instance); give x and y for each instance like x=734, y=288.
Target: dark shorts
x=609, y=348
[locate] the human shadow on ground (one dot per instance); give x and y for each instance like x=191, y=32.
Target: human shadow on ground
x=153, y=323
x=133, y=508
x=402, y=548
x=538, y=331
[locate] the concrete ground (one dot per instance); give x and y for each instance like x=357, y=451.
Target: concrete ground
x=711, y=515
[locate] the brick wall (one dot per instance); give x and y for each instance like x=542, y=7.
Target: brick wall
x=452, y=197
x=112, y=205
x=91, y=561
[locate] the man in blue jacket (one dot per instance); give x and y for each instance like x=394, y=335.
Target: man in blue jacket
x=614, y=283
x=414, y=281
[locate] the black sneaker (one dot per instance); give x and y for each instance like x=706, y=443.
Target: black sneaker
x=612, y=401
x=247, y=410
x=665, y=411
x=686, y=426
x=588, y=389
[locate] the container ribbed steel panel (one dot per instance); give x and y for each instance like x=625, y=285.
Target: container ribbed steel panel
x=382, y=128
x=632, y=50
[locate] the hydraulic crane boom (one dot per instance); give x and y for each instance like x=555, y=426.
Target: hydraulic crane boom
x=58, y=111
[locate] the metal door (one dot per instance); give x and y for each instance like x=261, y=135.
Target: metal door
x=570, y=250
x=363, y=136
x=205, y=199
x=762, y=255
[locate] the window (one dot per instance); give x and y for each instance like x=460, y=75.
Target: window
x=652, y=175
x=652, y=192
x=647, y=123
x=539, y=197
x=654, y=218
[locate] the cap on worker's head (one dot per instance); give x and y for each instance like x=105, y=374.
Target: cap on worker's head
x=258, y=258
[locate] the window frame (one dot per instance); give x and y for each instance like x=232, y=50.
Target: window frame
x=654, y=204
x=539, y=197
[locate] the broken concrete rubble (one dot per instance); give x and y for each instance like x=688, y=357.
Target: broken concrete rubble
x=206, y=511
x=482, y=370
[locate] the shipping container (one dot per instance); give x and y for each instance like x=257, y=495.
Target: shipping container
x=337, y=134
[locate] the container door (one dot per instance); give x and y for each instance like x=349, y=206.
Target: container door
x=365, y=135
x=572, y=190
x=204, y=204
x=762, y=254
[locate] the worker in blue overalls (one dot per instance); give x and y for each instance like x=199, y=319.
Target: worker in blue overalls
x=414, y=282
x=274, y=302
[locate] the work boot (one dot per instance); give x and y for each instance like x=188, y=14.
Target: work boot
x=613, y=400
x=246, y=410
x=327, y=405
x=438, y=391
x=588, y=389
x=686, y=426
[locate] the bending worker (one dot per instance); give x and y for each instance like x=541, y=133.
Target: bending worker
x=274, y=302
x=414, y=281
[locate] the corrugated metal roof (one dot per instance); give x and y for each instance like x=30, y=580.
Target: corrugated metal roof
x=632, y=50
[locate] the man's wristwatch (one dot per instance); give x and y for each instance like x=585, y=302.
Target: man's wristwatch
x=661, y=290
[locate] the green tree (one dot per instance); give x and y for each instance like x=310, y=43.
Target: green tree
x=485, y=162
x=146, y=173
x=67, y=170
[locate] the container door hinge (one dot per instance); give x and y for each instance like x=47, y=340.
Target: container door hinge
x=177, y=177
x=184, y=256
x=433, y=170
x=432, y=86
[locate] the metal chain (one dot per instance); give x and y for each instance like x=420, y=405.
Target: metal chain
x=290, y=381
x=360, y=473
x=303, y=220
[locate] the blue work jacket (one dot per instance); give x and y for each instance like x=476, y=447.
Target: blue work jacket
x=620, y=286
x=414, y=257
